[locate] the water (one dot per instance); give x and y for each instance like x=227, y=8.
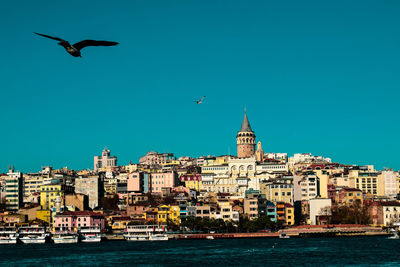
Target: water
x=350, y=251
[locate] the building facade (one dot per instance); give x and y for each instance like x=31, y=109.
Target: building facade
x=105, y=161
x=14, y=186
x=245, y=139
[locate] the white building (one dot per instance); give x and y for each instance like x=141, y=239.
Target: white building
x=14, y=186
x=319, y=207
x=307, y=157
x=105, y=161
x=390, y=181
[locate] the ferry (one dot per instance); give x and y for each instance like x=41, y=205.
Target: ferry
x=64, y=236
x=90, y=234
x=32, y=235
x=145, y=233
x=8, y=235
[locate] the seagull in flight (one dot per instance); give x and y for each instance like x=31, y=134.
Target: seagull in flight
x=200, y=100
x=75, y=49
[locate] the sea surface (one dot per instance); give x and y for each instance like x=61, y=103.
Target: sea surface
x=312, y=251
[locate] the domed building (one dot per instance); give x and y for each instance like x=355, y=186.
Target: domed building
x=245, y=139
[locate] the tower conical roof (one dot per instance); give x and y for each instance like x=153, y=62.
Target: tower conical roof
x=245, y=124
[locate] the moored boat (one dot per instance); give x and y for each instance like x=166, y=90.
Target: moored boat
x=90, y=234
x=8, y=235
x=145, y=233
x=32, y=234
x=64, y=236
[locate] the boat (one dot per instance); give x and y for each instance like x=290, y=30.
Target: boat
x=145, y=233
x=64, y=236
x=32, y=235
x=210, y=237
x=90, y=234
x=8, y=235
x=283, y=235
x=395, y=234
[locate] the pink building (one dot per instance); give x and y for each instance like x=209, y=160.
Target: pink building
x=135, y=182
x=155, y=158
x=77, y=219
x=160, y=180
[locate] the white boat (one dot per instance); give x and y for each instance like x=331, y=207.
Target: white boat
x=8, y=235
x=283, y=235
x=145, y=233
x=32, y=235
x=90, y=234
x=61, y=236
x=395, y=234
x=210, y=237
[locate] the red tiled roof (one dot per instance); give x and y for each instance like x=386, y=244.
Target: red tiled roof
x=350, y=189
x=122, y=218
x=82, y=213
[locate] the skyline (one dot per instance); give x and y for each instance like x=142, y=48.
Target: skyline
x=315, y=77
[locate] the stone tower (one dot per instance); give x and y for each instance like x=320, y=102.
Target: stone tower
x=259, y=152
x=245, y=139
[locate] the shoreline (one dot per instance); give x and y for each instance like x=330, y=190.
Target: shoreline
x=299, y=231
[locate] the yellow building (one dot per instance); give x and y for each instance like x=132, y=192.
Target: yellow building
x=44, y=215
x=369, y=182
x=165, y=212
x=289, y=214
x=192, y=181
x=119, y=223
x=49, y=194
x=277, y=192
x=285, y=213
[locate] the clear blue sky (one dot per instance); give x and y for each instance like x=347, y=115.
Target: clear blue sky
x=316, y=76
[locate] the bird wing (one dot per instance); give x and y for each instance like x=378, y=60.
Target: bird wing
x=51, y=37
x=84, y=43
x=201, y=99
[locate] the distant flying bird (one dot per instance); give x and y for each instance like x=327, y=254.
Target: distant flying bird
x=75, y=49
x=200, y=100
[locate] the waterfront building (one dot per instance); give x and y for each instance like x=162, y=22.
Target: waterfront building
x=92, y=187
x=14, y=187
x=254, y=206
x=285, y=213
x=384, y=213
x=105, y=161
x=119, y=223
x=245, y=139
x=271, y=211
x=168, y=212
x=319, y=207
x=289, y=214
x=77, y=219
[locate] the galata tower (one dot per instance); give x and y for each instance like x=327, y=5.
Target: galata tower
x=245, y=139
